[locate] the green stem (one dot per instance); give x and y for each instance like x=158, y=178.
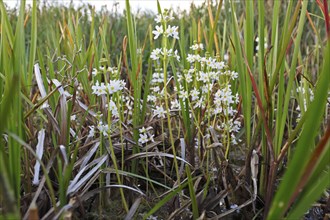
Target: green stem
x=167, y=107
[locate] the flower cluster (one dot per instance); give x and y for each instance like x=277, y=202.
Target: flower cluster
x=164, y=18
x=170, y=31
x=204, y=90
x=146, y=135
x=207, y=87
x=102, y=129
x=197, y=47
x=112, y=87
x=111, y=70
x=156, y=89
x=209, y=62
x=113, y=108
x=158, y=53
x=223, y=100
x=159, y=112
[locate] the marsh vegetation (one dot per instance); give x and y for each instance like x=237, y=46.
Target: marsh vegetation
x=221, y=112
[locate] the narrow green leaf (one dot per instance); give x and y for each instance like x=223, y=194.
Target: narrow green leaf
x=302, y=153
x=192, y=193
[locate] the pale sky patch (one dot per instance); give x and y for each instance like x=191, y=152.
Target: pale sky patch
x=135, y=4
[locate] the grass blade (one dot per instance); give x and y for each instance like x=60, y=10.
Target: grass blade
x=300, y=159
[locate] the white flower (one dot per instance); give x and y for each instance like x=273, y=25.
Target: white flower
x=115, y=86
x=158, y=18
x=224, y=96
x=199, y=103
x=151, y=98
x=217, y=110
x=236, y=126
x=197, y=46
x=91, y=131
x=167, y=52
x=233, y=75
x=236, y=98
x=206, y=88
x=159, y=112
x=113, y=108
x=183, y=95
x=176, y=56
x=157, y=78
x=194, y=94
x=203, y=77
x=73, y=117
x=191, y=71
x=193, y=58
x=175, y=104
x=214, y=75
x=143, y=130
x=229, y=111
x=202, y=60
x=151, y=137
x=190, y=58
x=188, y=77
x=155, y=54
x=165, y=18
x=99, y=89
x=112, y=87
x=155, y=89
x=159, y=30
x=168, y=18
x=172, y=32
x=103, y=128
x=143, y=138
x=210, y=62
x=220, y=65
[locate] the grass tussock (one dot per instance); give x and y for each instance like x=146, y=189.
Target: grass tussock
x=221, y=112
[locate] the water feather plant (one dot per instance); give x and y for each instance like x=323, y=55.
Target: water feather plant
x=217, y=112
